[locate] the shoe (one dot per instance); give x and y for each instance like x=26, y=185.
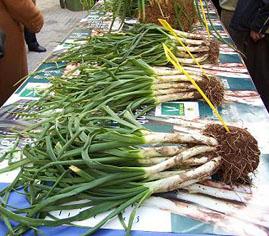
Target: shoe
x=37, y=48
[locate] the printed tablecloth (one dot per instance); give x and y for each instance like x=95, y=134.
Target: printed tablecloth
x=189, y=213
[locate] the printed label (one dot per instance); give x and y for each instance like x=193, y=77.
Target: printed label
x=187, y=110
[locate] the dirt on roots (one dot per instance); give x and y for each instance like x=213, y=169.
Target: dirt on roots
x=180, y=14
x=239, y=151
x=214, y=52
x=213, y=88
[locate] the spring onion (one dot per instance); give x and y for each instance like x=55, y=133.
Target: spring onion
x=86, y=157
x=142, y=41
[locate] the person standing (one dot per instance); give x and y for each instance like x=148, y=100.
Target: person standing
x=250, y=30
x=14, y=15
x=2, y=43
x=31, y=40
x=216, y=3
x=32, y=43
x=227, y=11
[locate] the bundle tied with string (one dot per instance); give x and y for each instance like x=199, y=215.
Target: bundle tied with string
x=237, y=148
x=109, y=168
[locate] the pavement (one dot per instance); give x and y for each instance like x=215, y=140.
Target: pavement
x=58, y=23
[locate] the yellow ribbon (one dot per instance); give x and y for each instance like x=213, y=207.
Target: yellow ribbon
x=172, y=58
x=168, y=27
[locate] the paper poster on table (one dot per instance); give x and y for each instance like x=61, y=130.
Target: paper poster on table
x=234, y=210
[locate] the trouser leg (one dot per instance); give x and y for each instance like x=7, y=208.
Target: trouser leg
x=257, y=63
x=240, y=39
x=226, y=17
x=216, y=3
x=30, y=38
x=256, y=57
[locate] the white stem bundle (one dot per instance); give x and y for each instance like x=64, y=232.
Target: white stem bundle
x=176, y=85
x=183, y=34
x=177, y=138
x=151, y=161
x=169, y=91
x=177, y=78
x=195, y=161
x=176, y=160
x=149, y=152
x=193, y=61
x=165, y=174
x=188, y=41
x=166, y=71
x=177, y=97
x=194, y=49
x=174, y=182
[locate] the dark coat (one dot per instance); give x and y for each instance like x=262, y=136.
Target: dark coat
x=251, y=15
x=14, y=14
x=2, y=43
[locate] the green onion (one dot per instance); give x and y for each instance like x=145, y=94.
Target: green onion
x=130, y=86
x=151, y=10
x=111, y=162
x=142, y=41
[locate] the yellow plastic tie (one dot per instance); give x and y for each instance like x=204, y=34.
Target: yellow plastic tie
x=205, y=20
x=168, y=27
x=172, y=58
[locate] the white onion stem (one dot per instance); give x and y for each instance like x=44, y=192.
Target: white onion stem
x=194, y=49
x=188, y=42
x=149, y=152
x=177, y=138
x=177, y=97
x=173, y=182
x=183, y=34
x=193, y=61
x=177, y=78
x=160, y=92
x=178, y=85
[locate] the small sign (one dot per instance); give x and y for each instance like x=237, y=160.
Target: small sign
x=187, y=110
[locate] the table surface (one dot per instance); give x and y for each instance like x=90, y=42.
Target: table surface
x=243, y=107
